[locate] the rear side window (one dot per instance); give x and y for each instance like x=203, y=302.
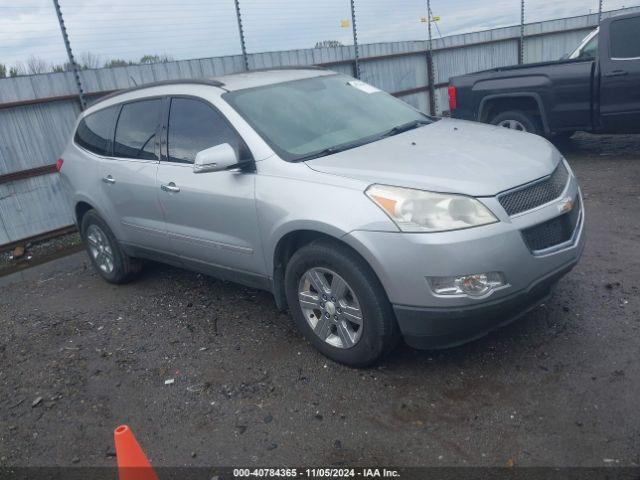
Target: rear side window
x=95, y=130
x=625, y=38
x=193, y=126
x=136, y=130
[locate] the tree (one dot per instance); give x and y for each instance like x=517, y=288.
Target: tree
x=17, y=70
x=37, y=65
x=3, y=70
x=117, y=62
x=164, y=58
x=89, y=60
x=329, y=43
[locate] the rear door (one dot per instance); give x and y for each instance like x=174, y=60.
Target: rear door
x=129, y=175
x=620, y=75
x=210, y=217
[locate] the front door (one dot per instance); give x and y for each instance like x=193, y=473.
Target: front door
x=210, y=217
x=620, y=76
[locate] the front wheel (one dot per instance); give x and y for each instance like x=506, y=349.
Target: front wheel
x=339, y=305
x=517, y=120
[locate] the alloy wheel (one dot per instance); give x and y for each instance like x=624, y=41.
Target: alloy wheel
x=330, y=307
x=100, y=248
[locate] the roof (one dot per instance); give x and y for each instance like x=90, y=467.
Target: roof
x=258, y=78
x=235, y=81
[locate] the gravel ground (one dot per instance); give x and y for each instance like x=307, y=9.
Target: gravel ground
x=36, y=250
x=559, y=387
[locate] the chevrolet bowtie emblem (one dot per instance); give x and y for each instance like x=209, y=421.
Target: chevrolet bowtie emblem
x=566, y=205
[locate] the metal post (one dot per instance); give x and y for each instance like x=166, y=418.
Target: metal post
x=72, y=62
x=430, y=75
x=243, y=46
x=355, y=39
x=521, y=46
x=599, y=11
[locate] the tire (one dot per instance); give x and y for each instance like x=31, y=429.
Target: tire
x=377, y=333
x=566, y=135
x=123, y=267
x=520, y=120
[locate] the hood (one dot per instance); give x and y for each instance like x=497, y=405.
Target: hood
x=452, y=156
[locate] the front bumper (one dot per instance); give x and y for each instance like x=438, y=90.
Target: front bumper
x=433, y=328
x=403, y=261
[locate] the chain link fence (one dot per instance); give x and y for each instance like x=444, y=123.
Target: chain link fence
x=410, y=48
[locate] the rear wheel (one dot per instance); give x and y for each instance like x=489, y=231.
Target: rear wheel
x=339, y=305
x=517, y=120
x=106, y=255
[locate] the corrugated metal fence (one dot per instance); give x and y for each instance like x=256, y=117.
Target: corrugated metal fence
x=37, y=112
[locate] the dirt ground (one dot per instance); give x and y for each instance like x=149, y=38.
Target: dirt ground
x=560, y=387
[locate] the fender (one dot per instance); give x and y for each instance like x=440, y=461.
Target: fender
x=83, y=198
x=534, y=95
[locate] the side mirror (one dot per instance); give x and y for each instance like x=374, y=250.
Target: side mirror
x=215, y=159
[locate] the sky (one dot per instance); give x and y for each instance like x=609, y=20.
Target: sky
x=129, y=29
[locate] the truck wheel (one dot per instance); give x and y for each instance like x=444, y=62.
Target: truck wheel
x=339, y=305
x=106, y=255
x=566, y=135
x=516, y=120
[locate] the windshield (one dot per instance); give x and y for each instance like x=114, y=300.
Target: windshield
x=588, y=48
x=317, y=116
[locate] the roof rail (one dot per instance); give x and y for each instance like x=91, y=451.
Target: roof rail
x=202, y=81
x=283, y=67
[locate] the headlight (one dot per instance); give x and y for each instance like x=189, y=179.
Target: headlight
x=420, y=211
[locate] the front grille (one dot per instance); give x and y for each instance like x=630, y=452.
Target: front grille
x=535, y=194
x=553, y=232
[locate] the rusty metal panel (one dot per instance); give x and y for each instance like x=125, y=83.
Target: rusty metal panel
x=417, y=100
x=442, y=99
x=396, y=73
x=32, y=206
x=34, y=135
x=474, y=58
x=552, y=46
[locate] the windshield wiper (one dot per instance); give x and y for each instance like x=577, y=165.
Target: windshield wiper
x=347, y=146
x=406, y=127
x=330, y=151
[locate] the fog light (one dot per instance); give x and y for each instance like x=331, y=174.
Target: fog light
x=475, y=285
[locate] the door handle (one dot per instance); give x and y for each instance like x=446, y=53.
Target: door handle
x=109, y=179
x=170, y=187
x=616, y=73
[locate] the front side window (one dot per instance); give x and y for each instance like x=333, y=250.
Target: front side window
x=590, y=50
x=317, y=116
x=136, y=130
x=194, y=126
x=95, y=130
x=588, y=47
x=625, y=38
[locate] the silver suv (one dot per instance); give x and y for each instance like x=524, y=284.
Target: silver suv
x=367, y=219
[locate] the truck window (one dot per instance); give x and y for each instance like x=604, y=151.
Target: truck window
x=625, y=38
x=590, y=50
x=587, y=45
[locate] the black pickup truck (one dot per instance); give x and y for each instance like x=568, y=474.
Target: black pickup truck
x=596, y=88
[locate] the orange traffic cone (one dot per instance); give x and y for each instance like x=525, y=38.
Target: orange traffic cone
x=133, y=464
